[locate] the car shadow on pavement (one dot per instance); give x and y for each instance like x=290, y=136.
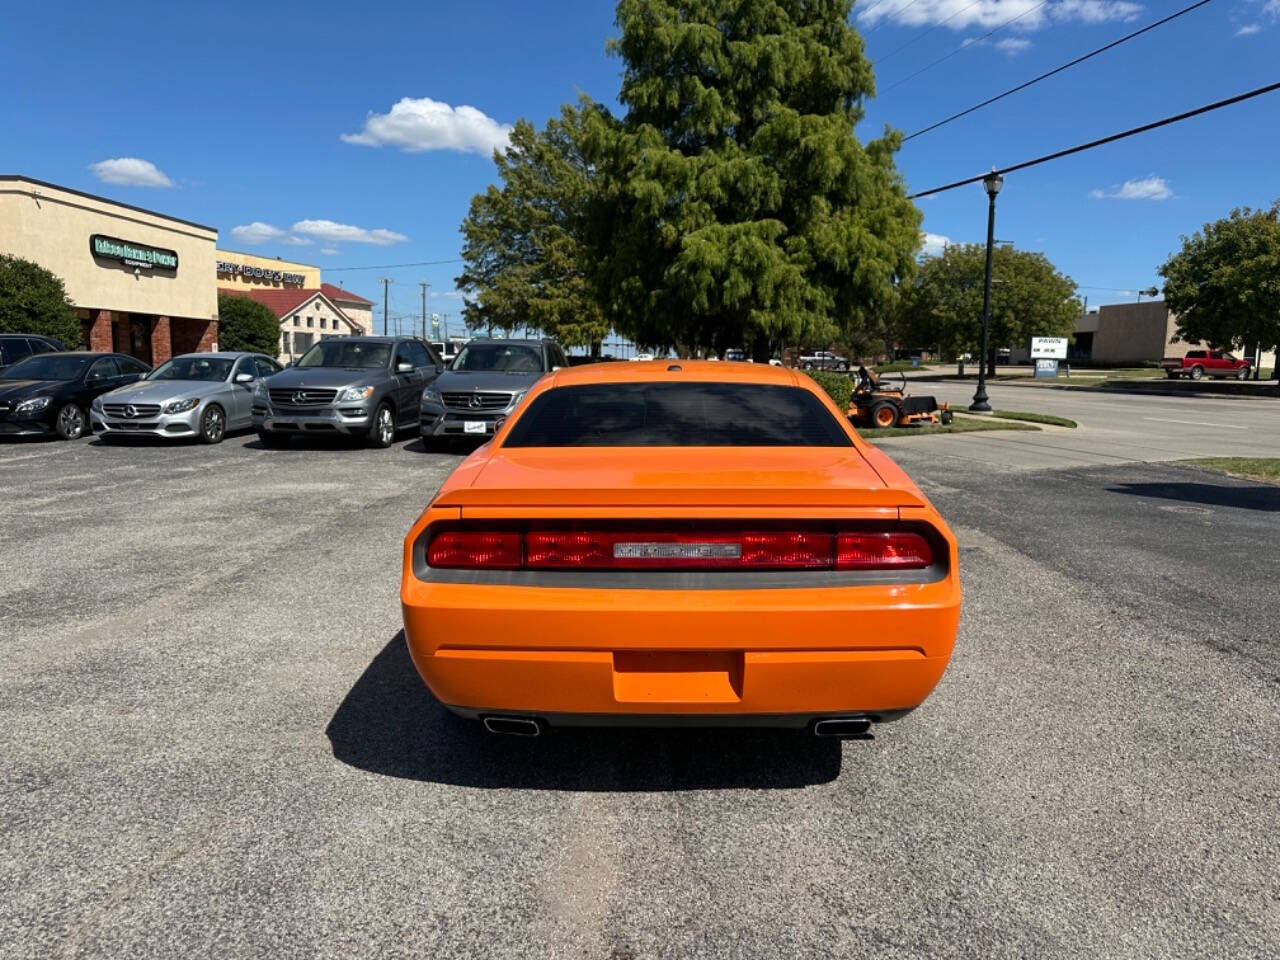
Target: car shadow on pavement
x=390, y=724
x=1244, y=496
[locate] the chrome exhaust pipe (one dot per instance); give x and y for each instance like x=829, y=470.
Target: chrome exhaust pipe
x=513, y=726
x=842, y=726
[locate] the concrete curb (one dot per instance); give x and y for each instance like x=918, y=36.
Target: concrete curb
x=1160, y=388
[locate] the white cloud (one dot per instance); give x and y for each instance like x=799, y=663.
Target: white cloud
x=328, y=231
x=330, y=252
x=1248, y=30
x=1012, y=45
x=426, y=124
x=1148, y=188
x=932, y=244
x=255, y=233
x=131, y=172
x=962, y=14
x=446, y=294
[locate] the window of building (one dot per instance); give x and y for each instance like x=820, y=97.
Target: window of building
x=296, y=321
x=284, y=339
x=323, y=323
x=302, y=342
x=310, y=321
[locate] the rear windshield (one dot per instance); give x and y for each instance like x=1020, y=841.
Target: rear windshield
x=677, y=415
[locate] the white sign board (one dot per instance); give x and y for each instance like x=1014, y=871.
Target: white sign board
x=1049, y=348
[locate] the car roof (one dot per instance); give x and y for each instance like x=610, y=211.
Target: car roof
x=221, y=354
x=651, y=371
x=523, y=340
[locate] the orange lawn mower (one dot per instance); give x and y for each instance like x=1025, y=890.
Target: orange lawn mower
x=878, y=404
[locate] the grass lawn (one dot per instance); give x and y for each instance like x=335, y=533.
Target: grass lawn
x=1263, y=469
x=900, y=366
x=1034, y=417
x=961, y=424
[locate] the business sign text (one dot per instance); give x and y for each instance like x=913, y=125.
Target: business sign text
x=1049, y=348
x=133, y=254
x=260, y=273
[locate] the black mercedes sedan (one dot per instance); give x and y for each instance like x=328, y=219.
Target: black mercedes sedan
x=50, y=393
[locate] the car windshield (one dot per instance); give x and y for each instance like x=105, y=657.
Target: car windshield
x=193, y=368
x=498, y=358
x=677, y=415
x=49, y=366
x=351, y=354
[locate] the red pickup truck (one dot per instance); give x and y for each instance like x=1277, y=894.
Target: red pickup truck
x=1198, y=364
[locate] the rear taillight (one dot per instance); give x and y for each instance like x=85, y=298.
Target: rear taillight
x=882, y=551
x=476, y=550
x=712, y=548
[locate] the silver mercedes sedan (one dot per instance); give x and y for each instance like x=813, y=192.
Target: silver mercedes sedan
x=193, y=395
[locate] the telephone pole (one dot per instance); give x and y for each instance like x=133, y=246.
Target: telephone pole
x=424, y=286
x=386, y=285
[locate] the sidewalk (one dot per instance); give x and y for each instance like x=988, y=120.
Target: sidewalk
x=1229, y=389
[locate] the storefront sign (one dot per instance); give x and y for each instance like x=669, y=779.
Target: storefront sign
x=1049, y=348
x=260, y=273
x=133, y=254
x=1046, y=369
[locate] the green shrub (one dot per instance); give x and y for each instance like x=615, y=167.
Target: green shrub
x=33, y=300
x=838, y=386
x=245, y=324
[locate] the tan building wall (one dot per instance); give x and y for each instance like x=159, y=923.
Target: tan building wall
x=1129, y=333
x=310, y=322
x=251, y=270
x=52, y=226
x=360, y=314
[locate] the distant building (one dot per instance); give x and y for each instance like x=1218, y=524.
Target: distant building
x=1134, y=333
x=305, y=316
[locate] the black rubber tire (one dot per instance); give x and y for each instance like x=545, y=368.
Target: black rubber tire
x=72, y=422
x=273, y=439
x=1171, y=374
x=378, y=435
x=878, y=413
x=213, y=424
x=1197, y=372
x=946, y=417
x=1243, y=373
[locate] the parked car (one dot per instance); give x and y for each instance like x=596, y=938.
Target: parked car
x=16, y=347
x=365, y=387
x=1198, y=364
x=193, y=395
x=50, y=393
x=483, y=385
x=631, y=549
x=824, y=360
x=444, y=350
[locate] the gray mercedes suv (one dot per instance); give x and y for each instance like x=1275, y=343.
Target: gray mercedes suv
x=484, y=383
x=364, y=387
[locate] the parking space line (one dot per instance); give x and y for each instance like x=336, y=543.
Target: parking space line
x=1198, y=423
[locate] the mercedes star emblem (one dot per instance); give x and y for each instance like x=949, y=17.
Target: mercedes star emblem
x=299, y=397
x=130, y=411
x=474, y=402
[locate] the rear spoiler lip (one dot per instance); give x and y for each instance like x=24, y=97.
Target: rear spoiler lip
x=684, y=498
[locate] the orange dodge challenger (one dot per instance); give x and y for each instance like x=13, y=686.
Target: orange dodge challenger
x=679, y=542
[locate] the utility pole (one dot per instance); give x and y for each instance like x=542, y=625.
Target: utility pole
x=386, y=284
x=424, y=286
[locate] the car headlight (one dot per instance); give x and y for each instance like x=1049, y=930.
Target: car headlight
x=517, y=397
x=32, y=405
x=181, y=406
x=97, y=402
x=431, y=395
x=355, y=393
x=260, y=389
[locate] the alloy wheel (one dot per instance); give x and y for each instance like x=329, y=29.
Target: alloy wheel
x=71, y=422
x=386, y=429
x=214, y=425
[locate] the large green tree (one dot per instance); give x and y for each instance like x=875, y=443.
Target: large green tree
x=525, y=260
x=1224, y=284
x=245, y=324
x=736, y=207
x=34, y=300
x=941, y=306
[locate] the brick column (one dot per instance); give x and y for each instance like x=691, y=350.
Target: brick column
x=161, y=341
x=100, y=338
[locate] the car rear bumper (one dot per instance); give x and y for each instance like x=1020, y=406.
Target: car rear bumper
x=349, y=419
x=654, y=654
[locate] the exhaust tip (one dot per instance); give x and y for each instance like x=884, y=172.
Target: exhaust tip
x=513, y=726
x=842, y=727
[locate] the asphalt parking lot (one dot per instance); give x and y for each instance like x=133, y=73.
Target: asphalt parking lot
x=215, y=745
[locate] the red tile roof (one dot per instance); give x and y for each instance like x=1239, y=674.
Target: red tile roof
x=279, y=302
x=344, y=296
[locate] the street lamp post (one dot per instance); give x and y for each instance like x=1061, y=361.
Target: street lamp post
x=992, y=184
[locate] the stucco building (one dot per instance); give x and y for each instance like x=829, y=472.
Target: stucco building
x=1132, y=333
x=140, y=280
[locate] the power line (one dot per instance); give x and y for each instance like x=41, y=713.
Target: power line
x=889, y=16
x=394, y=266
x=1239, y=98
x=925, y=32
x=1056, y=70
x=964, y=46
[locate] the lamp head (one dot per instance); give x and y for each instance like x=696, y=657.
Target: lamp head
x=992, y=183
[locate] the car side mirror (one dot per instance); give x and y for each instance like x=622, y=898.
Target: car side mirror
x=404, y=367
x=244, y=378
x=554, y=369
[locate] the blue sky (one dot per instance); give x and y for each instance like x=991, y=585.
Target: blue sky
x=278, y=123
